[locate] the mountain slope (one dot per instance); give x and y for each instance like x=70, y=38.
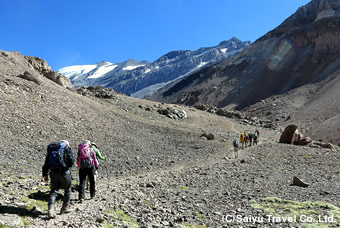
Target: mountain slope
x=139, y=79
x=159, y=172
x=304, y=49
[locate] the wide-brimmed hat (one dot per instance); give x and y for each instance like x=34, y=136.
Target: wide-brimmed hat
x=86, y=142
x=94, y=144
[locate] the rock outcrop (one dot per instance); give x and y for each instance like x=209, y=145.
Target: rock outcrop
x=173, y=113
x=43, y=68
x=97, y=91
x=30, y=68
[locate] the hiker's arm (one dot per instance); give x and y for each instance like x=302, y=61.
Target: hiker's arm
x=94, y=159
x=98, y=154
x=78, y=161
x=45, y=167
x=70, y=154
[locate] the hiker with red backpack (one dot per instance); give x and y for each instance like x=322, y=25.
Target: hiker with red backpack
x=245, y=139
x=58, y=161
x=87, y=164
x=94, y=147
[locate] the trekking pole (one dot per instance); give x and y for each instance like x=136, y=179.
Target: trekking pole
x=107, y=175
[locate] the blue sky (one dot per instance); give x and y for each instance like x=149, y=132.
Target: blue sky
x=77, y=32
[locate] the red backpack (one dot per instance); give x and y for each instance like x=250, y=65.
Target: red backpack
x=85, y=156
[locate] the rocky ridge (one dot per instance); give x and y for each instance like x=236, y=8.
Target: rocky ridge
x=141, y=78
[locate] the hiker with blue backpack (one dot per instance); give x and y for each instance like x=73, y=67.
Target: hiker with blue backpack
x=236, y=145
x=58, y=161
x=87, y=164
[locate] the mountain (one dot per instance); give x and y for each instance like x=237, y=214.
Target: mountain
x=141, y=78
x=158, y=172
x=304, y=50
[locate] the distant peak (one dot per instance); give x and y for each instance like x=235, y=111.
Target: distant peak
x=233, y=39
x=103, y=63
x=313, y=11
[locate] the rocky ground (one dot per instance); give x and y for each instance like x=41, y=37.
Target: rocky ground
x=160, y=172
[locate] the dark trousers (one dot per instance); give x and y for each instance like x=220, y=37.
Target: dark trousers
x=60, y=180
x=83, y=173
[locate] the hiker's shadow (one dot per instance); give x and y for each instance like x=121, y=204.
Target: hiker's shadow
x=43, y=196
x=21, y=211
x=26, y=211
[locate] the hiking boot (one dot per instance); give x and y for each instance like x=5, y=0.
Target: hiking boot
x=65, y=209
x=81, y=200
x=51, y=214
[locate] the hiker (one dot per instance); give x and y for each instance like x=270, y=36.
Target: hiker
x=250, y=138
x=236, y=147
x=242, y=140
x=99, y=156
x=245, y=139
x=257, y=133
x=87, y=164
x=59, y=160
x=255, y=139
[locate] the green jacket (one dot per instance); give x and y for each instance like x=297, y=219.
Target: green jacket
x=97, y=153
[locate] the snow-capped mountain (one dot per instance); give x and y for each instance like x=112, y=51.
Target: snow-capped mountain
x=141, y=78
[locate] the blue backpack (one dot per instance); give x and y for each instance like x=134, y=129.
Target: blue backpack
x=56, y=159
x=235, y=143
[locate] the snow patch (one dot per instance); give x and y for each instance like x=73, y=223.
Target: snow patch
x=132, y=67
x=149, y=90
x=147, y=71
x=224, y=50
x=76, y=70
x=200, y=65
x=101, y=71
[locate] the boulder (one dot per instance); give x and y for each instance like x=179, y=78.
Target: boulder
x=288, y=134
x=52, y=75
x=58, y=78
x=202, y=107
x=303, y=141
x=299, y=182
x=30, y=77
x=63, y=81
x=208, y=136
x=173, y=113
